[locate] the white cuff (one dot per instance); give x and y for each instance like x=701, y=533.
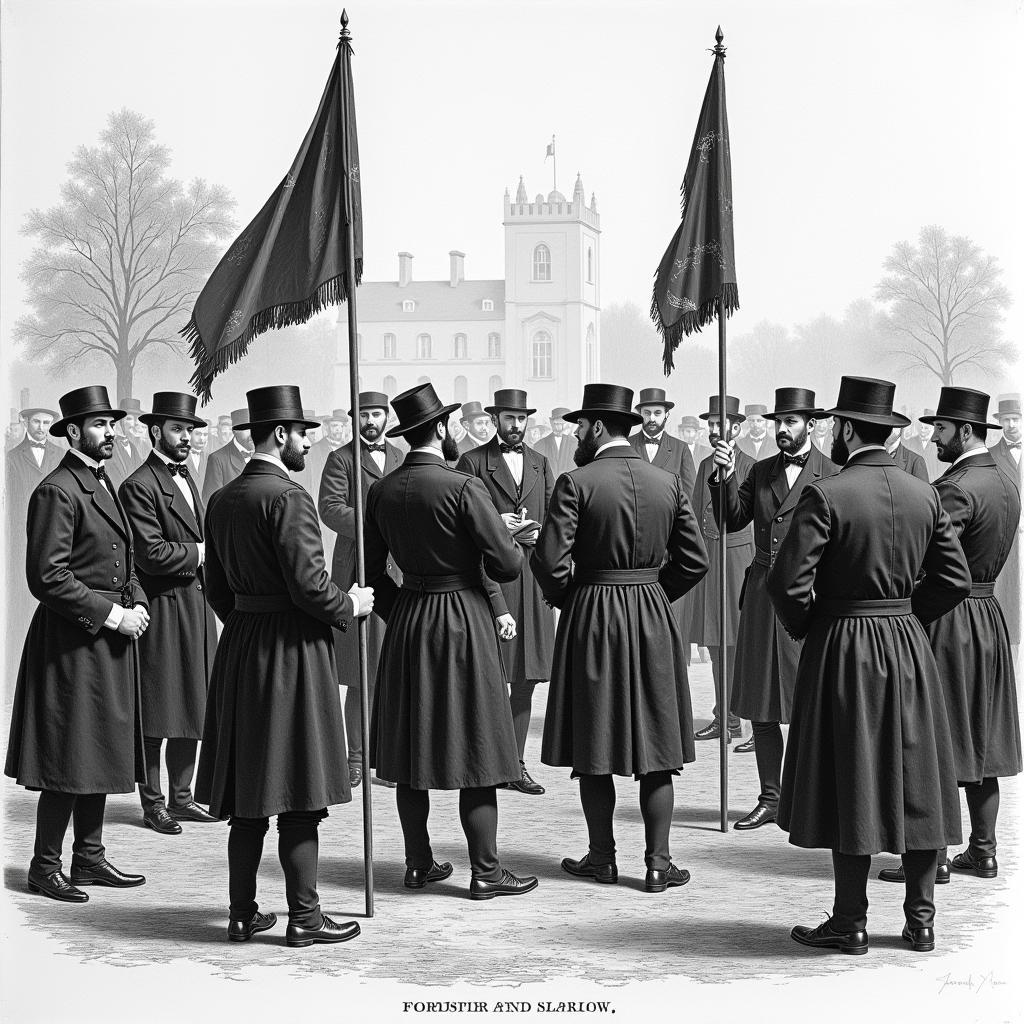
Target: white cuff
x=355, y=606
x=202, y=553
x=115, y=617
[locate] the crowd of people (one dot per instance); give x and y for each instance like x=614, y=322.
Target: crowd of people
x=187, y=596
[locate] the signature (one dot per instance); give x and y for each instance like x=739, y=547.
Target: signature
x=975, y=983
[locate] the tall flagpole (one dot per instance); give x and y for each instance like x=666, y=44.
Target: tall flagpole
x=357, y=476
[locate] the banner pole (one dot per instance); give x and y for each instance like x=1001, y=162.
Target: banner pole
x=723, y=661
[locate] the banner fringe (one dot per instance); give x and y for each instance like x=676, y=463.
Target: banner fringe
x=691, y=321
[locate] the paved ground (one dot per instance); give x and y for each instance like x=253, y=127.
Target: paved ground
x=710, y=943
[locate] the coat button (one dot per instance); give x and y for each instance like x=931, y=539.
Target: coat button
x=199, y=586
x=113, y=547
x=779, y=520
x=775, y=540
x=117, y=565
x=113, y=579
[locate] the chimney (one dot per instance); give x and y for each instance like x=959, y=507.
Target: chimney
x=457, y=263
x=404, y=269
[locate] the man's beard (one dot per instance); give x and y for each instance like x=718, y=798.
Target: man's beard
x=586, y=449
x=511, y=435
x=370, y=432
x=98, y=451
x=791, y=441
x=450, y=448
x=293, y=456
x=652, y=429
x=176, y=453
x=39, y=436
x=840, y=451
x=952, y=451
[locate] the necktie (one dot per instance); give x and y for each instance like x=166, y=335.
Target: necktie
x=179, y=470
x=98, y=472
x=246, y=456
x=376, y=447
x=656, y=441
x=796, y=460
x=1011, y=445
x=42, y=444
x=505, y=449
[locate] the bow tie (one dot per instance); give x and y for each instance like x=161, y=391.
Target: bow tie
x=98, y=471
x=179, y=470
x=505, y=449
x=382, y=447
x=653, y=440
x=1009, y=444
x=42, y=444
x=796, y=460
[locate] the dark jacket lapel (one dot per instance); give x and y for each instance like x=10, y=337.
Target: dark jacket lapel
x=811, y=471
x=667, y=457
x=498, y=468
x=369, y=466
x=102, y=495
x=175, y=499
x=777, y=477
x=533, y=469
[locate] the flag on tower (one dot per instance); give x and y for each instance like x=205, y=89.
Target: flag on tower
x=551, y=148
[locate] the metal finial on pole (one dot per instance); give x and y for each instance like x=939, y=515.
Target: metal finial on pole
x=345, y=34
x=719, y=49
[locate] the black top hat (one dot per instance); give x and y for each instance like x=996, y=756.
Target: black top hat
x=26, y=413
x=799, y=400
x=338, y=414
x=1008, y=406
x=732, y=409
x=653, y=396
x=417, y=406
x=131, y=405
x=868, y=400
x=689, y=423
x=755, y=410
x=372, y=400
x=87, y=401
x=173, y=405
x=598, y=398
x=278, y=403
x=962, y=405
x=470, y=410
x=509, y=400
x=558, y=413
x=238, y=418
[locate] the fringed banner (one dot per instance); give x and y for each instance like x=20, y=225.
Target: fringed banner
x=699, y=266
x=290, y=262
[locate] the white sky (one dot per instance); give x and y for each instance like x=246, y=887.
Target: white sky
x=852, y=124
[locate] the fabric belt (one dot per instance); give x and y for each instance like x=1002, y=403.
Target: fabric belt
x=257, y=603
x=441, y=584
x=887, y=609
x=122, y=597
x=616, y=577
x=762, y=558
x=983, y=590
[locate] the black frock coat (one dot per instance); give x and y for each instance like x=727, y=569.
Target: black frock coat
x=76, y=726
x=560, y=455
x=766, y=655
x=704, y=620
x=869, y=763
x=768, y=449
x=910, y=462
x=274, y=737
x=223, y=466
x=1008, y=583
x=441, y=717
x=176, y=651
x=619, y=699
x=335, y=504
x=970, y=643
x=528, y=655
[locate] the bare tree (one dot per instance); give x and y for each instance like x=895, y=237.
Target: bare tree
x=944, y=301
x=122, y=258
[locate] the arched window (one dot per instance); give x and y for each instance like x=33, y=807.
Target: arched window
x=460, y=349
x=390, y=346
x=494, y=345
x=590, y=265
x=542, y=263
x=540, y=355
x=494, y=384
x=390, y=386
x=423, y=380
x=423, y=347
x=461, y=389
x=592, y=372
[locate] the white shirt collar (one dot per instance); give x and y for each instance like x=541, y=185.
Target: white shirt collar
x=91, y=463
x=653, y=440
x=240, y=447
x=272, y=459
x=971, y=454
x=871, y=448
x=615, y=442
x=163, y=458
x=427, y=450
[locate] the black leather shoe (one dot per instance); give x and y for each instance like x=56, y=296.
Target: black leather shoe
x=922, y=940
x=896, y=874
x=417, y=878
x=524, y=784
x=57, y=887
x=760, y=815
x=190, y=812
x=104, y=873
x=659, y=881
x=714, y=731
x=582, y=868
x=746, y=747
x=243, y=931
x=160, y=821
x=329, y=931
x=387, y=783
x=355, y=775
x=983, y=867
x=823, y=937
x=510, y=885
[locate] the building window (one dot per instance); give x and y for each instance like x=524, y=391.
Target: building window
x=590, y=265
x=461, y=390
x=540, y=362
x=494, y=384
x=542, y=263
x=494, y=345
x=591, y=355
x=488, y=305
x=390, y=385
x=390, y=347
x=460, y=350
x=423, y=347
x=423, y=380
x=408, y=305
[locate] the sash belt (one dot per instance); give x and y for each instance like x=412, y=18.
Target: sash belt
x=983, y=590
x=762, y=558
x=886, y=609
x=122, y=597
x=258, y=603
x=441, y=584
x=616, y=577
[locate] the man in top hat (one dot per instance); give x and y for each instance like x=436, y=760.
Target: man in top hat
x=559, y=446
x=758, y=443
x=925, y=434
x=821, y=436
x=273, y=718
x=904, y=457
x=655, y=444
x=478, y=425
x=911, y=439
x=970, y=643
x=198, y=456
x=869, y=764
x=689, y=431
x=163, y=506
x=705, y=622
x=127, y=456
x=767, y=656
x=76, y=733
x=619, y=544
x=332, y=440
x=519, y=481
x=1006, y=452
x=441, y=718
x=223, y=433
x=336, y=505
x=227, y=462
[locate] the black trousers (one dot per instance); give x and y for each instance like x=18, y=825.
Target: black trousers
x=521, y=698
x=850, y=911
x=768, y=749
x=354, y=718
x=180, y=757
x=53, y=813
x=597, y=795
x=730, y=661
x=478, y=812
x=983, y=808
x=298, y=847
